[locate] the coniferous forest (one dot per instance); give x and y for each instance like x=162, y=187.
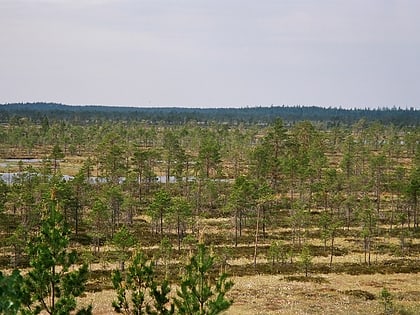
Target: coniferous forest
x=266, y=210
x=179, y=115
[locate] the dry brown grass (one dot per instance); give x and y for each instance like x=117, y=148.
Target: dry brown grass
x=274, y=294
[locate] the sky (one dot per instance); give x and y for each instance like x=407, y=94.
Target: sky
x=211, y=53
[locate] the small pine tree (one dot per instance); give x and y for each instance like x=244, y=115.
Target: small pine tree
x=139, y=283
x=276, y=252
x=305, y=259
x=386, y=300
x=123, y=240
x=197, y=294
x=50, y=286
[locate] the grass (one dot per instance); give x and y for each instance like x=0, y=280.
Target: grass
x=275, y=294
x=349, y=287
x=336, y=294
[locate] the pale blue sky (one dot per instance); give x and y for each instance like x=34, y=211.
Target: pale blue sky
x=213, y=53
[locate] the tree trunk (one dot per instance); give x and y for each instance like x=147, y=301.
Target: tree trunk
x=256, y=237
x=76, y=220
x=365, y=248
x=263, y=222
x=178, y=232
x=236, y=228
x=240, y=223
x=53, y=291
x=332, y=248
x=161, y=222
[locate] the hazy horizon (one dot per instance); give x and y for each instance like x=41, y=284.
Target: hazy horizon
x=205, y=54
x=220, y=107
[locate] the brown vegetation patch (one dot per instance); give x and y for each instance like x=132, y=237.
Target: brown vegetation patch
x=360, y=294
x=306, y=279
x=408, y=296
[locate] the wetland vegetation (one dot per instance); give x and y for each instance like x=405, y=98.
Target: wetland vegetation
x=298, y=213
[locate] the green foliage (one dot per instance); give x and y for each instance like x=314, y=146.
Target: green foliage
x=123, y=240
x=270, y=156
x=243, y=197
x=197, y=294
x=111, y=158
x=209, y=157
x=143, y=161
x=276, y=252
x=56, y=154
x=413, y=188
x=67, y=200
x=138, y=285
x=244, y=193
x=50, y=285
x=299, y=221
x=11, y=293
x=18, y=241
x=181, y=213
x=174, y=153
x=160, y=206
x=4, y=189
x=386, y=300
x=98, y=219
x=368, y=221
x=138, y=291
x=329, y=224
x=181, y=209
x=305, y=259
x=165, y=252
x=114, y=196
x=324, y=224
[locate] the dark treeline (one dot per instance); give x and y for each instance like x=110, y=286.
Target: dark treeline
x=178, y=115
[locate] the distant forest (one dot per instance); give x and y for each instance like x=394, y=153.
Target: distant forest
x=178, y=115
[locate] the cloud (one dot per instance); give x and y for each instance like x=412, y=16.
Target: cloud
x=187, y=52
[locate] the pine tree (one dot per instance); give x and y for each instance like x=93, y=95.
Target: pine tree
x=160, y=205
x=386, y=300
x=123, y=240
x=56, y=155
x=139, y=283
x=50, y=286
x=305, y=259
x=197, y=294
